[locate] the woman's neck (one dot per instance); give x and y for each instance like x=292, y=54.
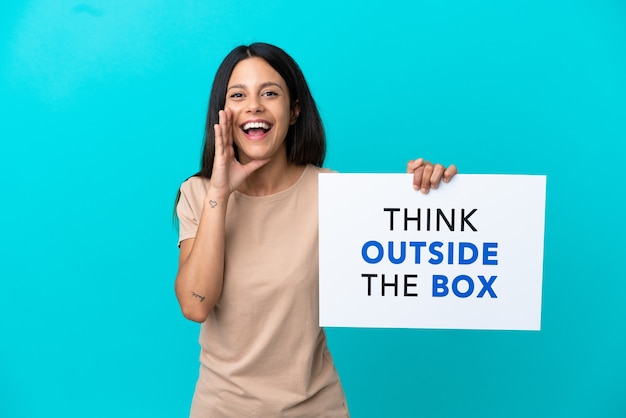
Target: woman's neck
x=272, y=178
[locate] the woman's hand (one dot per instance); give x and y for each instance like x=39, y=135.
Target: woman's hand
x=427, y=175
x=228, y=173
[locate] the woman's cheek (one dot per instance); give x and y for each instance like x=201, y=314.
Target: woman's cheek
x=234, y=107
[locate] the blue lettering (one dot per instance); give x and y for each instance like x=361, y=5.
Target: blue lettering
x=487, y=246
x=462, y=258
x=418, y=245
x=470, y=286
x=450, y=252
x=367, y=246
x=433, y=250
x=440, y=286
x=399, y=260
x=487, y=286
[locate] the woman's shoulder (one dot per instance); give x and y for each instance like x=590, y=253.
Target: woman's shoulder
x=311, y=174
x=321, y=169
x=195, y=186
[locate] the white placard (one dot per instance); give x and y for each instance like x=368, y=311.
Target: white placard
x=468, y=255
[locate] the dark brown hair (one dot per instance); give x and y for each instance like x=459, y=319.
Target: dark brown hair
x=306, y=139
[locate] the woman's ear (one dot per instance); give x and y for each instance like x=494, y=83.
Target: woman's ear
x=295, y=112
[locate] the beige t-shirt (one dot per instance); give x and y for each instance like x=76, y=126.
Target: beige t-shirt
x=263, y=352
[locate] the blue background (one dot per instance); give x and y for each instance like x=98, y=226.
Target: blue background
x=102, y=111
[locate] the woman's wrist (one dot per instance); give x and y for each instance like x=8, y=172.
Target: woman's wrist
x=216, y=198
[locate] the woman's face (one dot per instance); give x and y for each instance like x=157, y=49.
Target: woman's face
x=259, y=100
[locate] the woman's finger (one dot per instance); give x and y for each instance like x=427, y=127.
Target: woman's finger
x=219, y=140
x=417, y=177
x=227, y=126
x=450, y=172
x=435, y=178
x=416, y=167
x=426, y=175
x=413, y=165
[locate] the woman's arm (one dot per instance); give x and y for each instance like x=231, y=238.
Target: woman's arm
x=201, y=262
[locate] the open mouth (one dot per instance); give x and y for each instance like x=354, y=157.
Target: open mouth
x=256, y=128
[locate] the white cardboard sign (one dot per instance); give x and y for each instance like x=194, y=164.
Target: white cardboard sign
x=468, y=255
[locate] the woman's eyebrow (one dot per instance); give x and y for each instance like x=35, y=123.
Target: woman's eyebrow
x=263, y=85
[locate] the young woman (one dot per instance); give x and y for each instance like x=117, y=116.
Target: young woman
x=248, y=268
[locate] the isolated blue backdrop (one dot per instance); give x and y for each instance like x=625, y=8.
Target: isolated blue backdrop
x=102, y=108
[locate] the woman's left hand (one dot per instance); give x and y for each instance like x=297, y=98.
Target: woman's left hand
x=427, y=175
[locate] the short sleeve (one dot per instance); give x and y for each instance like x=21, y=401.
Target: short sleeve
x=189, y=207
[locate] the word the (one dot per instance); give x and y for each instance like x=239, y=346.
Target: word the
x=391, y=284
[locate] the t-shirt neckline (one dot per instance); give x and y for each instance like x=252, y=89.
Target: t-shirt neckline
x=275, y=196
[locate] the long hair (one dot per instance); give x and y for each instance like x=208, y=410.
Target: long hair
x=305, y=141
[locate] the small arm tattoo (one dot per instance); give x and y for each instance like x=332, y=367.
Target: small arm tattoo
x=213, y=203
x=198, y=296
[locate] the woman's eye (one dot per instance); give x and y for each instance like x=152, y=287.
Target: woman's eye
x=270, y=93
x=236, y=96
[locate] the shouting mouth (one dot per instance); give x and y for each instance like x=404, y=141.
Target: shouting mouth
x=256, y=129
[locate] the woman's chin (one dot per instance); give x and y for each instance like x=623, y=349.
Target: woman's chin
x=246, y=154
x=258, y=154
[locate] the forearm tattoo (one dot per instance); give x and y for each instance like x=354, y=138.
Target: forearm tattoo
x=198, y=296
x=213, y=203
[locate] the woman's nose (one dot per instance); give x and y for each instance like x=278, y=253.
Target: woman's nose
x=254, y=105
